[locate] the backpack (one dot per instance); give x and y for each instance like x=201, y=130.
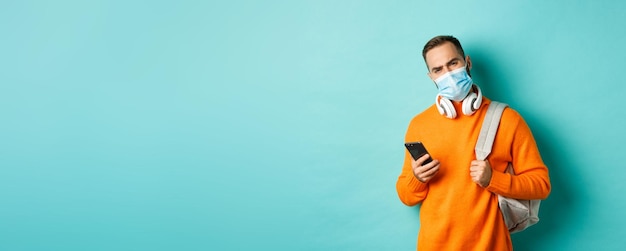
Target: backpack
x=518, y=214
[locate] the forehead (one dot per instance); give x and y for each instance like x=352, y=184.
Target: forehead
x=441, y=55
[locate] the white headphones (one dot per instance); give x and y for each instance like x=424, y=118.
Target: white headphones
x=471, y=103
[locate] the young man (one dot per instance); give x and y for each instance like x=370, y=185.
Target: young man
x=458, y=194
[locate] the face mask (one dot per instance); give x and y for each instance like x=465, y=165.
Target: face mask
x=454, y=85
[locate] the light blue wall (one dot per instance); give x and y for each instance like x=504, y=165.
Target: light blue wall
x=278, y=125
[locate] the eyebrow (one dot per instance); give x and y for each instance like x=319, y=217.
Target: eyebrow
x=447, y=63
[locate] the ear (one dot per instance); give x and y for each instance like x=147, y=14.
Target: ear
x=468, y=61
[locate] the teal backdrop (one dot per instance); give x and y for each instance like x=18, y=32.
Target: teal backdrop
x=279, y=125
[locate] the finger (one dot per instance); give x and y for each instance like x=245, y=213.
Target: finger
x=431, y=171
x=420, y=161
x=426, y=172
x=479, y=163
x=476, y=174
x=482, y=163
x=428, y=166
x=424, y=178
x=477, y=168
x=475, y=177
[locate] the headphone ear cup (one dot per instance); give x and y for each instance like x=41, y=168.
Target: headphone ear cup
x=468, y=104
x=438, y=105
x=445, y=107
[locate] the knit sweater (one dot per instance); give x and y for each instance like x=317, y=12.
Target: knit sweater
x=455, y=212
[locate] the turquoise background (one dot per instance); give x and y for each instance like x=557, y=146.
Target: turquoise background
x=278, y=125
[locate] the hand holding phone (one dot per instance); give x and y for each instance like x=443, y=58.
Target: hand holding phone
x=421, y=172
x=417, y=150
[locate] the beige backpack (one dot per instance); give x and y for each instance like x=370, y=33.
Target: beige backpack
x=518, y=214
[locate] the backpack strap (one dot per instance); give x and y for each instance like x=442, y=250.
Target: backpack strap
x=517, y=214
x=489, y=129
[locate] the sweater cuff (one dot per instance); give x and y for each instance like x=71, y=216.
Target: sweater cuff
x=416, y=185
x=500, y=183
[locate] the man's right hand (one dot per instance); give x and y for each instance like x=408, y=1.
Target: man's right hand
x=424, y=173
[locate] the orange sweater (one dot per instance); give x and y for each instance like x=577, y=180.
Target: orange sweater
x=456, y=213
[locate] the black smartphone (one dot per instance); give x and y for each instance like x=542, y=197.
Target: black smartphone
x=417, y=150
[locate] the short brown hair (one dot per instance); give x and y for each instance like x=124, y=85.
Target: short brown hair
x=439, y=40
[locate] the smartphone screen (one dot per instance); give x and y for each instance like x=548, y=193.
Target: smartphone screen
x=417, y=150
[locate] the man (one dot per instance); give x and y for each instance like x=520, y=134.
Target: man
x=458, y=194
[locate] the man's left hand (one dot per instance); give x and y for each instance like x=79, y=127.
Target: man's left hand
x=480, y=171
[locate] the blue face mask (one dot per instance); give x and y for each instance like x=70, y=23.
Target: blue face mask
x=454, y=85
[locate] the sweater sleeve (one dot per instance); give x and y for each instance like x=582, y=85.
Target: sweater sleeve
x=410, y=190
x=531, y=180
